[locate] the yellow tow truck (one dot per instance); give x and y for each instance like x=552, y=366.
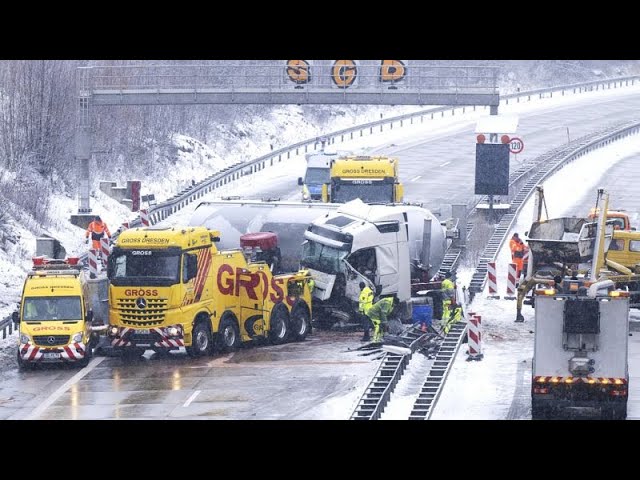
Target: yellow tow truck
x=172, y=287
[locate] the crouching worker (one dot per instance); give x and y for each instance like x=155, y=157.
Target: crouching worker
x=379, y=315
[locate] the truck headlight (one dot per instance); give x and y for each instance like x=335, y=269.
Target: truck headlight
x=113, y=331
x=173, y=331
x=24, y=338
x=77, y=338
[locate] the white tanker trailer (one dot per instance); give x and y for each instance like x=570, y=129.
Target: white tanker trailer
x=341, y=244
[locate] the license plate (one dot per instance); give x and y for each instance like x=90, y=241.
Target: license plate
x=49, y=356
x=142, y=331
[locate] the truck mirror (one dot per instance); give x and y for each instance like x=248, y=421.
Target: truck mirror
x=16, y=317
x=89, y=316
x=110, y=266
x=526, y=234
x=192, y=266
x=300, y=181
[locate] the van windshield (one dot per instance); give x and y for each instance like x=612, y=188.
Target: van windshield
x=317, y=176
x=52, y=308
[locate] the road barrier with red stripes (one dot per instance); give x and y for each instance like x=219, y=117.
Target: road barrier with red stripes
x=474, y=335
x=93, y=263
x=511, y=282
x=493, y=283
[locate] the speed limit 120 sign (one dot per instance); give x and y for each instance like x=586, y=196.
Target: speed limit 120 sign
x=516, y=145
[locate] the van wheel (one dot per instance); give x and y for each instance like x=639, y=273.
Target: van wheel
x=300, y=324
x=228, y=337
x=87, y=356
x=200, y=340
x=279, y=326
x=22, y=365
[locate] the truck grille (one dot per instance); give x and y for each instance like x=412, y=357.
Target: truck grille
x=43, y=340
x=152, y=314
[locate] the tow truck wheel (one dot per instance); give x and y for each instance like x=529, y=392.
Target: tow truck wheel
x=300, y=324
x=228, y=337
x=200, y=340
x=279, y=328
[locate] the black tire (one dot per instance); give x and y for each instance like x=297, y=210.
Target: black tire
x=228, y=336
x=300, y=323
x=279, y=326
x=201, y=342
x=23, y=366
x=87, y=356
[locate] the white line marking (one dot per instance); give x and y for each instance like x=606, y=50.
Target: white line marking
x=191, y=398
x=416, y=178
x=445, y=164
x=65, y=386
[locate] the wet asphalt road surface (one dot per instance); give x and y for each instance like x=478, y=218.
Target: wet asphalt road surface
x=318, y=378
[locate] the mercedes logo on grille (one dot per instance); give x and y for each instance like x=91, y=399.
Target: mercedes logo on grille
x=141, y=303
x=51, y=340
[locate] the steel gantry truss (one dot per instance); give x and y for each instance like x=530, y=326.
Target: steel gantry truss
x=374, y=82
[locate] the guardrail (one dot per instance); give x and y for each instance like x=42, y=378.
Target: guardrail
x=240, y=169
x=6, y=324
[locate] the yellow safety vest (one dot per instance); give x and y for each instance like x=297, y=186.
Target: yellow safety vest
x=366, y=300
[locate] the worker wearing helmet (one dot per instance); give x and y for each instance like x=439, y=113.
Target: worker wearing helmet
x=379, y=313
x=97, y=229
x=517, y=247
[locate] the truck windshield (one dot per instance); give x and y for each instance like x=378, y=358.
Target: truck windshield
x=317, y=176
x=52, y=308
x=144, y=267
x=368, y=193
x=322, y=258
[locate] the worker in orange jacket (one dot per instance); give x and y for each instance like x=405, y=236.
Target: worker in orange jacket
x=517, y=247
x=97, y=229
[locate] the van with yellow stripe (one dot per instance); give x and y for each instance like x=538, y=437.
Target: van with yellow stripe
x=54, y=319
x=172, y=288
